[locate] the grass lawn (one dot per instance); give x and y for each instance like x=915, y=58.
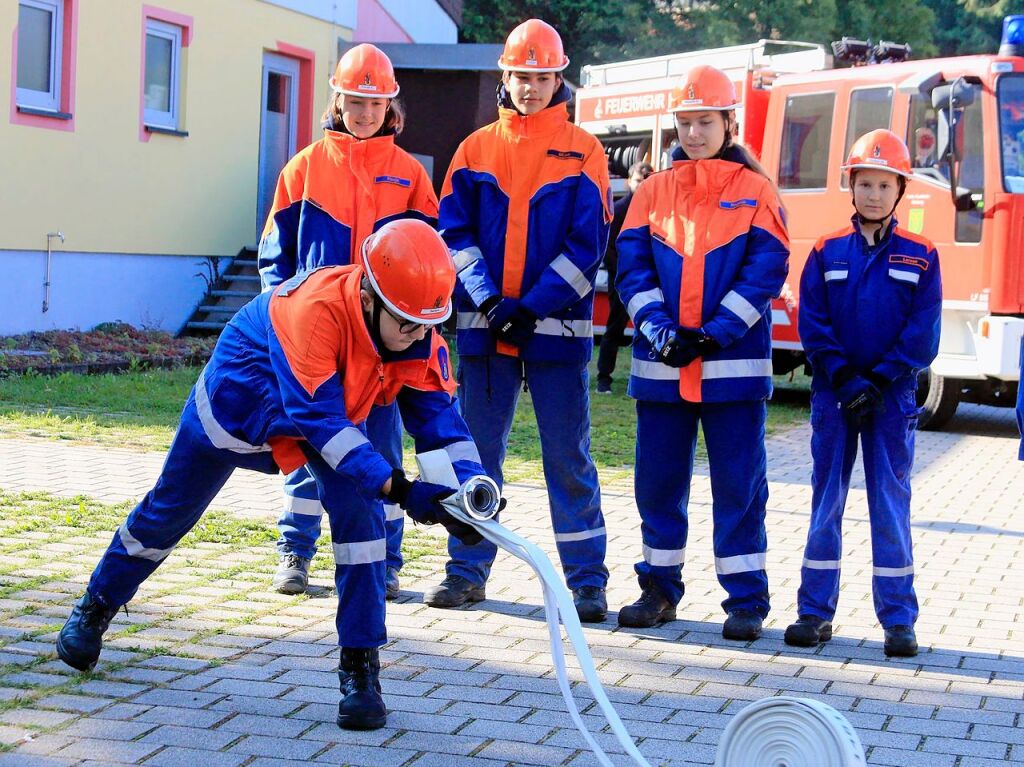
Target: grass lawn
x=140, y=410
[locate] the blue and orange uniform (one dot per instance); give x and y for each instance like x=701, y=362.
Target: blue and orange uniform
x=291, y=382
x=329, y=198
x=525, y=209
x=893, y=288
x=704, y=246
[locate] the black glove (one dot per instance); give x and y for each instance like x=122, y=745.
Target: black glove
x=509, y=320
x=687, y=345
x=422, y=502
x=858, y=396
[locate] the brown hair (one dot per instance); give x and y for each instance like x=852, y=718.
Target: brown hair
x=394, y=119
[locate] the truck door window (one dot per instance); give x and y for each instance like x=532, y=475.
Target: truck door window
x=806, y=130
x=1011, y=131
x=870, y=109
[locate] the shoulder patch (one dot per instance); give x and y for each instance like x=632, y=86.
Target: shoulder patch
x=565, y=154
x=393, y=180
x=905, y=260
x=443, y=363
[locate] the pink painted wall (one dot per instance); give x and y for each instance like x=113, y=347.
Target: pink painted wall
x=375, y=25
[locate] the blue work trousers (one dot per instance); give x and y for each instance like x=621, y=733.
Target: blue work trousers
x=300, y=521
x=666, y=439
x=489, y=392
x=193, y=472
x=887, y=436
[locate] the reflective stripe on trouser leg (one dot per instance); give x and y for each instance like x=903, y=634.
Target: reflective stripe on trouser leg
x=888, y=440
x=833, y=452
x=299, y=523
x=384, y=430
x=488, y=392
x=666, y=438
x=734, y=435
x=193, y=473
x=357, y=537
x=561, y=402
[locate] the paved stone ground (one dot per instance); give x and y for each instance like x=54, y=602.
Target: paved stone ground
x=249, y=680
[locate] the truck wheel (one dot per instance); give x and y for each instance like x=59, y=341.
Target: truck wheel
x=937, y=397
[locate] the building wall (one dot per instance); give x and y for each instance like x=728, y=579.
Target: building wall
x=120, y=194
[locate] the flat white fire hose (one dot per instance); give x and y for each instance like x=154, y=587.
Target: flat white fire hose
x=782, y=731
x=476, y=503
x=787, y=731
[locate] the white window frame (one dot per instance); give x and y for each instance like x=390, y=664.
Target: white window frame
x=155, y=117
x=47, y=100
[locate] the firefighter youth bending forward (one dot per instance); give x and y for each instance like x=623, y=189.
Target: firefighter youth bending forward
x=525, y=210
x=870, y=311
x=292, y=380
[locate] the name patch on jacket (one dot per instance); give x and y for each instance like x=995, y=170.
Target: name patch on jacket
x=904, y=260
x=392, y=180
x=565, y=154
x=743, y=202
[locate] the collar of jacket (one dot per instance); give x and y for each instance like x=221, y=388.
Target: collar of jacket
x=705, y=177
x=544, y=123
x=893, y=223
x=345, y=145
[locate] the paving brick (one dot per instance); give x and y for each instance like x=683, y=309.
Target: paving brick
x=190, y=757
x=190, y=737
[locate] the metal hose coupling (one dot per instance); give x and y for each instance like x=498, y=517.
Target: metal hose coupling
x=479, y=497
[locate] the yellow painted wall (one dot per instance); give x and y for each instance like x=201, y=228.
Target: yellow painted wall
x=112, y=193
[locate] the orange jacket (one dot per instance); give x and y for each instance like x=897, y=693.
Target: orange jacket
x=332, y=195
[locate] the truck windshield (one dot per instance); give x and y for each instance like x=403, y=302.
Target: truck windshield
x=1011, y=131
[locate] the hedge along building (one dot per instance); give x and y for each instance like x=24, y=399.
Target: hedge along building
x=150, y=135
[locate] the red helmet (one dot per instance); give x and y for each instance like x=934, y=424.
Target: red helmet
x=533, y=46
x=879, y=150
x=411, y=271
x=702, y=89
x=365, y=71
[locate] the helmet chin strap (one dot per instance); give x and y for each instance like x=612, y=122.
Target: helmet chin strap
x=374, y=324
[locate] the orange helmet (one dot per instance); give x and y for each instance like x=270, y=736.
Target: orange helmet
x=365, y=71
x=411, y=271
x=533, y=46
x=703, y=88
x=879, y=150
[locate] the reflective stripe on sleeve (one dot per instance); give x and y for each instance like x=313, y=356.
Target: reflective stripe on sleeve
x=565, y=328
x=470, y=321
x=136, y=549
x=741, y=307
x=569, y=272
x=464, y=258
x=664, y=557
x=341, y=444
x=463, y=451
x=393, y=511
x=642, y=299
x=360, y=552
x=742, y=563
x=836, y=274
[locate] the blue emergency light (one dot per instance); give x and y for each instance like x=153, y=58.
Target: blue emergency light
x=1012, y=43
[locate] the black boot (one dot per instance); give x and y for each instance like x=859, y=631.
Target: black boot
x=454, y=591
x=80, y=641
x=742, y=626
x=591, y=604
x=649, y=610
x=900, y=642
x=361, y=706
x=808, y=631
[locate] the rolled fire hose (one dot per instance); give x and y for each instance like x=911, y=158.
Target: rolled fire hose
x=782, y=731
x=476, y=503
x=787, y=731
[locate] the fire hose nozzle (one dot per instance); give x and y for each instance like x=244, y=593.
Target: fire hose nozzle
x=479, y=497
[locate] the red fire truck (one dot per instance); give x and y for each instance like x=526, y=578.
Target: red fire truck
x=963, y=119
